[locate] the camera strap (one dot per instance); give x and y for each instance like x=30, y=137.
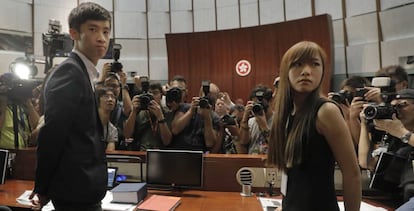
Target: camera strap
x=15, y=126
x=152, y=123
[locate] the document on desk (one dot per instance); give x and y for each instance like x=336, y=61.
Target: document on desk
x=269, y=204
x=364, y=207
x=106, y=203
x=24, y=200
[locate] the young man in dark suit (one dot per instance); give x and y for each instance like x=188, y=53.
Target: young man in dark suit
x=71, y=163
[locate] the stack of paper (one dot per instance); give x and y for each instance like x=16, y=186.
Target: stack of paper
x=160, y=203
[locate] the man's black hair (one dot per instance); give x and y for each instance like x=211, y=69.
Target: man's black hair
x=102, y=91
x=87, y=11
x=179, y=78
x=355, y=82
x=267, y=92
x=393, y=71
x=157, y=86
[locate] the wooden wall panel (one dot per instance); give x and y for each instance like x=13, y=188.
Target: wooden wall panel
x=213, y=55
x=242, y=49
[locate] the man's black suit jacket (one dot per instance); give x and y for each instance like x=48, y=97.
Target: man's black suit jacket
x=71, y=162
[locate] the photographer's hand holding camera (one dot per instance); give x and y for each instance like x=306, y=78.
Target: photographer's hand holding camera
x=256, y=121
x=210, y=135
x=227, y=140
x=402, y=122
x=120, y=87
x=147, y=124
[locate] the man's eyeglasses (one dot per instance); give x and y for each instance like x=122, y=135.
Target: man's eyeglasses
x=108, y=96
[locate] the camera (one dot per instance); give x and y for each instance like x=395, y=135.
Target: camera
x=228, y=119
x=384, y=111
x=15, y=88
x=145, y=98
x=342, y=96
x=173, y=95
x=116, y=66
x=204, y=101
x=260, y=105
x=55, y=43
x=360, y=92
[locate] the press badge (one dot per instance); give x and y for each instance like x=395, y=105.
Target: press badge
x=283, y=185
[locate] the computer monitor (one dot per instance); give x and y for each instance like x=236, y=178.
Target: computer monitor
x=112, y=173
x=4, y=158
x=174, y=169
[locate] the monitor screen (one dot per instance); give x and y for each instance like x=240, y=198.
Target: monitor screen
x=112, y=173
x=174, y=169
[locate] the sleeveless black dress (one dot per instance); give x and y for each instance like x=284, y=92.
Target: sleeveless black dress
x=310, y=185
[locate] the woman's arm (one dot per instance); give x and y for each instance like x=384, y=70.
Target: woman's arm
x=333, y=127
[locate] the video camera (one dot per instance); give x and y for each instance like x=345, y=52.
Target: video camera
x=55, y=43
x=145, y=98
x=204, y=101
x=116, y=66
x=383, y=110
x=16, y=89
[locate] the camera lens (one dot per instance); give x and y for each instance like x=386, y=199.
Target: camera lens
x=228, y=120
x=145, y=100
x=257, y=109
x=173, y=95
x=370, y=112
x=203, y=103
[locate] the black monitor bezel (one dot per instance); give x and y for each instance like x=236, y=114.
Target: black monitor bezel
x=150, y=184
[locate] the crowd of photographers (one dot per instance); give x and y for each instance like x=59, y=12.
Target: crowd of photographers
x=379, y=114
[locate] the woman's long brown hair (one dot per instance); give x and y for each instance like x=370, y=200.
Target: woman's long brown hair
x=285, y=149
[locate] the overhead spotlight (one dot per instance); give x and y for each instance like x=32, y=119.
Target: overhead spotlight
x=24, y=67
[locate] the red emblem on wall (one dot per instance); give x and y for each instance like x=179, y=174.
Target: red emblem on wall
x=243, y=68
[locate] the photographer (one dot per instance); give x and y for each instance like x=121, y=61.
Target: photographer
x=117, y=81
x=257, y=119
x=194, y=125
x=17, y=113
x=147, y=124
x=227, y=141
x=105, y=97
x=355, y=91
x=397, y=120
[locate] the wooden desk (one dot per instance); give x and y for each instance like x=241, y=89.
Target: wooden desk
x=191, y=200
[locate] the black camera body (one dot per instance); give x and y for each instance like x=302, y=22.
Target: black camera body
x=204, y=101
x=360, y=92
x=116, y=66
x=382, y=111
x=260, y=105
x=228, y=119
x=144, y=100
x=342, y=96
x=173, y=95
